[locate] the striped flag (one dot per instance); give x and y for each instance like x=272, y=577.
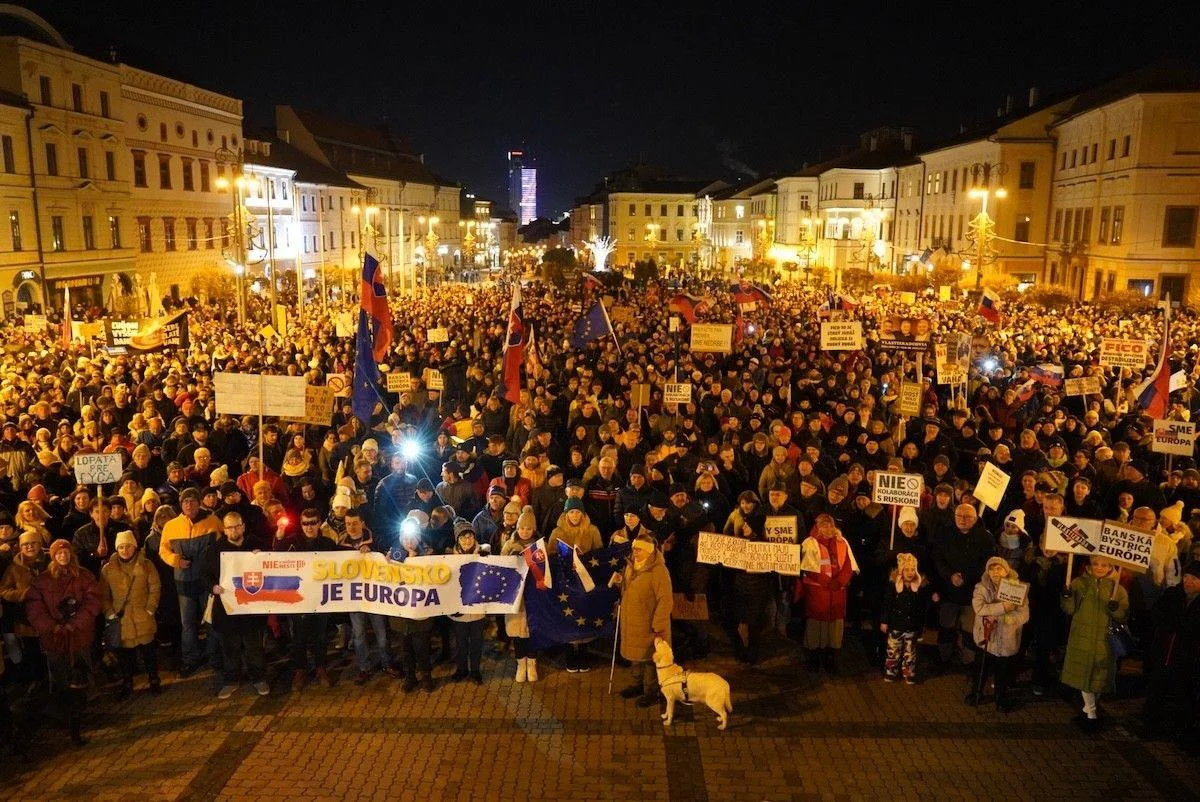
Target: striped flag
x=66, y=334
x=514, y=348
x=372, y=340
x=1154, y=394
x=989, y=306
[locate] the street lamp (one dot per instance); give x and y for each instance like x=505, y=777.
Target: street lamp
x=983, y=228
x=239, y=225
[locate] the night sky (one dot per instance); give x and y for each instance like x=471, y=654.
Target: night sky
x=589, y=91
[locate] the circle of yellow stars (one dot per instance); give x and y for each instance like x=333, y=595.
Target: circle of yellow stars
x=569, y=612
x=499, y=592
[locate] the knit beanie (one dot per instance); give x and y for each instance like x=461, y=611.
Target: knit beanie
x=907, y=515
x=527, y=520
x=572, y=504
x=125, y=538
x=1171, y=516
x=513, y=507
x=58, y=546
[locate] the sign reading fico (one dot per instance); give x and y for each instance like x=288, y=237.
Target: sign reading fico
x=901, y=489
x=1116, y=353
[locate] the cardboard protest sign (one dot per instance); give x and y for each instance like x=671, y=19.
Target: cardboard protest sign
x=673, y=324
x=639, y=394
x=1178, y=381
x=781, y=529
x=438, y=335
x=97, y=469
x=900, y=489
x=991, y=486
x=344, y=325
x=1128, y=547
x=280, y=319
x=1012, y=592
x=399, y=382
x=433, y=379
x=695, y=610
x=712, y=338
x=753, y=556
x=340, y=383
x=677, y=393
x=1115, y=353
x=35, y=324
x=257, y=394
x=1174, y=437
x=910, y=399
x=841, y=335
x=1084, y=385
x=318, y=406
x=622, y=314
x=944, y=292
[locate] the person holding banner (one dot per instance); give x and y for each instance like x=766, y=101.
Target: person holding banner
x=310, y=630
x=750, y=591
x=828, y=565
x=1093, y=601
x=516, y=625
x=241, y=636
x=997, y=632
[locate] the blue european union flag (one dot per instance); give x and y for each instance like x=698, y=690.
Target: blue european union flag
x=593, y=325
x=481, y=583
x=566, y=613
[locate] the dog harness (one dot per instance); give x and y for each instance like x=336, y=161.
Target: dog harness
x=677, y=678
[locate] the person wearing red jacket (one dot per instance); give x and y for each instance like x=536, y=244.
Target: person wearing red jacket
x=827, y=565
x=62, y=607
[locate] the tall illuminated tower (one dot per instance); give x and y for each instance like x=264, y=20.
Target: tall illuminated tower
x=522, y=186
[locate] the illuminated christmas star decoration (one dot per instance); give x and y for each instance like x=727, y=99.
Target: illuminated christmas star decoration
x=601, y=247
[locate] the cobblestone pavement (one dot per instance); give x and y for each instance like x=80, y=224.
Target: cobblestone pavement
x=792, y=736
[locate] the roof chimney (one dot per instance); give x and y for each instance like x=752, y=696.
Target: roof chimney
x=1033, y=96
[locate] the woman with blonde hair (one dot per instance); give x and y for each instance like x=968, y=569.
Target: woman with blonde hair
x=1094, y=601
x=142, y=514
x=32, y=517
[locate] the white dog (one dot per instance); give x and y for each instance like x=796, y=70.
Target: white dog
x=678, y=685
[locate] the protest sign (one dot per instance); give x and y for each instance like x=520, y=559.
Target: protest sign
x=1129, y=548
x=256, y=394
x=841, y=335
x=944, y=292
x=469, y=300
x=280, y=318
x=673, y=324
x=991, y=486
x=97, y=469
x=438, y=335
x=752, y=556
x=1084, y=385
x=356, y=582
x=148, y=336
x=639, y=394
x=267, y=332
x=340, y=383
x=1178, y=381
x=910, y=399
x=35, y=324
x=901, y=489
x=318, y=406
x=951, y=373
x=712, y=338
x=1072, y=535
x=781, y=529
x=694, y=610
x=677, y=393
x=1116, y=353
x=907, y=297
x=344, y=325
x=1012, y=592
x=399, y=382
x=622, y=314
x=905, y=333
x=433, y=379
x=1174, y=437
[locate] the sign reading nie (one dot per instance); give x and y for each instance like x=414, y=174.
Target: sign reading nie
x=901, y=489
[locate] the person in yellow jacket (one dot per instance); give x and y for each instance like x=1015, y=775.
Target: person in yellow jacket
x=185, y=538
x=131, y=593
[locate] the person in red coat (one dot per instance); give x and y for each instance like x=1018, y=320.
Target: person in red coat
x=62, y=607
x=827, y=566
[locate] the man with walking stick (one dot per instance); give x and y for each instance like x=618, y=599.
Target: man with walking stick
x=644, y=614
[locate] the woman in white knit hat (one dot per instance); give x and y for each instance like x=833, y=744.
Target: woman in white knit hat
x=131, y=594
x=516, y=624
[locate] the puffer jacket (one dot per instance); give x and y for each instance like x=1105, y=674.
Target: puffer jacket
x=1089, y=664
x=134, y=589
x=646, y=604
x=996, y=629
x=585, y=537
x=43, y=608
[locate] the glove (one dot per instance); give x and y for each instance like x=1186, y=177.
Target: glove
x=1066, y=594
x=1112, y=605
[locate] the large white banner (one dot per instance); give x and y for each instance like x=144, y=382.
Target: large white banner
x=1123, y=545
x=753, y=556
x=354, y=582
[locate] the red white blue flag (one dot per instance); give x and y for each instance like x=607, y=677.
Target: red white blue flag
x=1154, y=393
x=989, y=306
x=372, y=340
x=514, y=348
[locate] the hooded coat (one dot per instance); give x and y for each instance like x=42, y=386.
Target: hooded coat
x=43, y=607
x=646, y=604
x=1089, y=664
x=133, y=588
x=996, y=629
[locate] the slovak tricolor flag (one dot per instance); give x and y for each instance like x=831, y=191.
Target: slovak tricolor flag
x=539, y=563
x=1154, y=393
x=1047, y=374
x=514, y=348
x=989, y=306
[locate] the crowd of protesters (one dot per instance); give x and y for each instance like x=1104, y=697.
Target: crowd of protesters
x=101, y=583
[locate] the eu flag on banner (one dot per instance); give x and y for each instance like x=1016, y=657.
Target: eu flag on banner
x=482, y=583
x=567, y=613
x=593, y=325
